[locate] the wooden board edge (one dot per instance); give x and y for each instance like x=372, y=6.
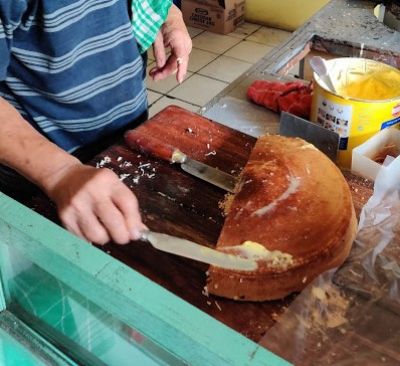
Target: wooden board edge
x=175, y=325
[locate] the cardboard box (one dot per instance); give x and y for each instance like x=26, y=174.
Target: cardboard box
x=219, y=16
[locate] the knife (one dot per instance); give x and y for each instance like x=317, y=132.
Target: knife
x=151, y=145
x=189, y=249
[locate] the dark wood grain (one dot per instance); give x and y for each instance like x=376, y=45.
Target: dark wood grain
x=176, y=203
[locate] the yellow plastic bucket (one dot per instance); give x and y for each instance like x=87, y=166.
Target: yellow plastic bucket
x=367, y=101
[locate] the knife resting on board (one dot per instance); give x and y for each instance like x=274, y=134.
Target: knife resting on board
x=159, y=149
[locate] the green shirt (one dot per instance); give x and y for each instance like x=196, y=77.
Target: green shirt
x=148, y=17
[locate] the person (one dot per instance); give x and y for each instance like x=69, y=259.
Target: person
x=72, y=75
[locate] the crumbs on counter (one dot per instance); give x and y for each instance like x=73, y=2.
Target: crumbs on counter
x=143, y=170
x=167, y=197
x=123, y=176
x=212, y=219
x=145, y=165
x=104, y=161
x=205, y=291
x=125, y=164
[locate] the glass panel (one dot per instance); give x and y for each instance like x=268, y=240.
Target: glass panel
x=14, y=353
x=78, y=327
x=20, y=345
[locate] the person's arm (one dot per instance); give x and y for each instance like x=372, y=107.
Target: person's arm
x=173, y=34
x=92, y=203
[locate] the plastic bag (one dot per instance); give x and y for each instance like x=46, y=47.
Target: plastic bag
x=351, y=316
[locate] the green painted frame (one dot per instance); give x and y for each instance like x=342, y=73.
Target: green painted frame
x=2, y=298
x=176, y=326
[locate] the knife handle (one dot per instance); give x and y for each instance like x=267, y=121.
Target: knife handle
x=152, y=146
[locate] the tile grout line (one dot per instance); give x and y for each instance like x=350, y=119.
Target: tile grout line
x=172, y=97
x=175, y=98
x=214, y=78
x=182, y=100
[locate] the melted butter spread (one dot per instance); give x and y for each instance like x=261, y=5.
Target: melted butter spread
x=377, y=85
x=255, y=251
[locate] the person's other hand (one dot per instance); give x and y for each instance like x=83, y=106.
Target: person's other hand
x=174, y=35
x=95, y=205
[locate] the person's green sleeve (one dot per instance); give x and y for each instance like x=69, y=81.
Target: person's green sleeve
x=147, y=18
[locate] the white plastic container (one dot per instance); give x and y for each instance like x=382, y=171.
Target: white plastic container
x=363, y=156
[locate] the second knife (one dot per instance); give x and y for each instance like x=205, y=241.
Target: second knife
x=151, y=145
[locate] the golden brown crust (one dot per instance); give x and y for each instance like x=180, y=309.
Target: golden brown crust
x=292, y=199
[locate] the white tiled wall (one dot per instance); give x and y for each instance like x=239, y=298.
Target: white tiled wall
x=216, y=61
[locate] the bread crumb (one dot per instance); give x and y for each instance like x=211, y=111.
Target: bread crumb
x=103, y=162
x=226, y=203
x=274, y=316
x=125, y=164
x=123, y=176
x=217, y=305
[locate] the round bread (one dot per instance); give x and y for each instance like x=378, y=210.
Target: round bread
x=295, y=202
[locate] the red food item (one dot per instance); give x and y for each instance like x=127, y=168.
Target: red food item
x=293, y=97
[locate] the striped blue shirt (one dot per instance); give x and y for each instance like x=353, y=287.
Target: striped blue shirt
x=71, y=67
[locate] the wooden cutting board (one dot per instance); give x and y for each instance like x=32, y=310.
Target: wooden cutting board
x=176, y=203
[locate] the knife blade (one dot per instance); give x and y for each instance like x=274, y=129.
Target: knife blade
x=188, y=249
x=151, y=145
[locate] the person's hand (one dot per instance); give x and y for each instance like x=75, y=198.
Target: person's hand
x=173, y=34
x=95, y=205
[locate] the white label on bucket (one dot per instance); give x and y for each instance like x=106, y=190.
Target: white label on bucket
x=396, y=110
x=334, y=116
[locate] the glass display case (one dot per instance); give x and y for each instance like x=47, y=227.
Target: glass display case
x=66, y=302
